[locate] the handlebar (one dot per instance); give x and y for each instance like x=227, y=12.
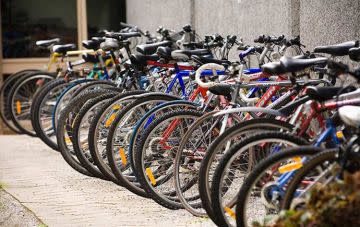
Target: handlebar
x=269, y=39
x=337, y=68
x=210, y=66
x=121, y=36
x=187, y=28
x=194, y=45
x=293, y=42
x=214, y=41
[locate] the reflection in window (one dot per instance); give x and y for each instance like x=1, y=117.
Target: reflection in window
x=24, y=22
x=105, y=14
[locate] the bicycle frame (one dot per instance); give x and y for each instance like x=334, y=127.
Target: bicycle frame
x=226, y=120
x=328, y=133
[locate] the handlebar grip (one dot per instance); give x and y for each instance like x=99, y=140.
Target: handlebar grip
x=243, y=48
x=193, y=45
x=245, y=53
x=212, y=66
x=259, y=39
x=187, y=28
x=280, y=38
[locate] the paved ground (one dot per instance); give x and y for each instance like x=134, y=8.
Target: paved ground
x=13, y=213
x=41, y=180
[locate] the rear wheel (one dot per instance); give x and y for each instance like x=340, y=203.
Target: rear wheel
x=4, y=92
x=42, y=110
x=119, y=138
x=155, y=155
x=81, y=127
x=64, y=133
x=74, y=89
x=20, y=99
x=189, y=156
x=99, y=130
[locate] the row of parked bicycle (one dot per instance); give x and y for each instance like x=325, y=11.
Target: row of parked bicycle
x=170, y=117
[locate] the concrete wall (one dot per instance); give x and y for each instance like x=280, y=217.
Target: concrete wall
x=149, y=14
x=317, y=21
x=246, y=18
x=329, y=21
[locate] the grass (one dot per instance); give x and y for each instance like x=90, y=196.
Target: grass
x=2, y=185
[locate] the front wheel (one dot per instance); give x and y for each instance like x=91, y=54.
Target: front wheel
x=319, y=170
x=261, y=191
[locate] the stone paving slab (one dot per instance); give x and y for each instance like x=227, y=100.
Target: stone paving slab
x=41, y=180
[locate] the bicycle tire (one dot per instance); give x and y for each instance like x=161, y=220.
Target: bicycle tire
x=15, y=88
x=78, y=122
x=6, y=86
x=73, y=107
x=94, y=134
x=36, y=108
x=229, y=155
x=243, y=127
x=124, y=180
x=256, y=172
x=326, y=155
x=141, y=174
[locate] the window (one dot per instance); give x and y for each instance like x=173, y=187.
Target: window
x=105, y=14
x=24, y=22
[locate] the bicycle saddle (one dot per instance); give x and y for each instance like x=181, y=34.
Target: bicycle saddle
x=340, y=49
x=93, y=59
x=277, y=68
x=354, y=54
x=221, y=89
x=109, y=44
x=62, y=49
x=127, y=35
x=91, y=44
x=350, y=115
x=164, y=52
x=90, y=58
x=140, y=59
x=326, y=93
x=297, y=64
x=314, y=93
x=273, y=68
x=151, y=48
x=98, y=39
x=204, y=60
x=47, y=43
x=186, y=54
x=126, y=25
